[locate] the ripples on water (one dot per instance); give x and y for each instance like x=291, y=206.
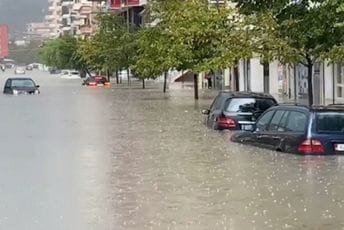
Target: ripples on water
x=138, y=159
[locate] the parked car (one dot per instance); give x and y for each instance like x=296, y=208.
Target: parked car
x=70, y=74
x=19, y=70
x=23, y=85
x=29, y=67
x=237, y=110
x=298, y=129
x=96, y=81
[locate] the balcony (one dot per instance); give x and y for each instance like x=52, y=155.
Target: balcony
x=85, y=10
x=67, y=3
x=86, y=29
x=66, y=28
x=50, y=17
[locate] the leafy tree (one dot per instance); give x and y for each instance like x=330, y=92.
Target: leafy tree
x=112, y=47
x=62, y=53
x=307, y=30
x=201, y=36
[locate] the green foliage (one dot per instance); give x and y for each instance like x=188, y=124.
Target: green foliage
x=112, y=47
x=61, y=53
x=201, y=36
x=309, y=29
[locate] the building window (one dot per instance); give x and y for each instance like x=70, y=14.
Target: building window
x=340, y=79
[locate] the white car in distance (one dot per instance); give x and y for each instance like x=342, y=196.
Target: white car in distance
x=70, y=74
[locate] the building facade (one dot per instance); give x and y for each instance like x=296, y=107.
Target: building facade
x=4, y=50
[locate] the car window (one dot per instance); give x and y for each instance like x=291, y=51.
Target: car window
x=264, y=104
x=216, y=104
x=22, y=83
x=241, y=105
x=283, y=122
x=75, y=73
x=264, y=121
x=275, y=122
x=8, y=83
x=297, y=122
x=327, y=122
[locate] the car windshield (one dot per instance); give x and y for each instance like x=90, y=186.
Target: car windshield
x=248, y=104
x=22, y=83
x=327, y=122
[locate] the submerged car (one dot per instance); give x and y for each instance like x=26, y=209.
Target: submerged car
x=19, y=70
x=70, y=74
x=96, y=81
x=23, y=85
x=29, y=67
x=237, y=110
x=298, y=129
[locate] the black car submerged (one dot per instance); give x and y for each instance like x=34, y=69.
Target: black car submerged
x=298, y=129
x=23, y=85
x=237, y=110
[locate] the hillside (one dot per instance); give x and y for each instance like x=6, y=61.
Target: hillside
x=20, y=12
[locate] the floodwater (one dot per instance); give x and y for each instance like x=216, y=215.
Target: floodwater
x=108, y=159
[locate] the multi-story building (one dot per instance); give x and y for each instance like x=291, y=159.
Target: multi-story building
x=38, y=31
x=53, y=17
x=4, y=51
x=78, y=16
x=131, y=9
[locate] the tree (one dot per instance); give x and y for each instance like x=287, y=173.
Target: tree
x=155, y=54
x=62, y=53
x=309, y=29
x=201, y=36
x=112, y=47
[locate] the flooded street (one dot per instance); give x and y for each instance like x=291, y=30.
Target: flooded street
x=111, y=159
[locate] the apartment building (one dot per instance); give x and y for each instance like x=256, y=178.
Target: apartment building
x=53, y=17
x=38, y=31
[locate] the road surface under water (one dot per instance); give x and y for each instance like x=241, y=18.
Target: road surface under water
x=95, y=158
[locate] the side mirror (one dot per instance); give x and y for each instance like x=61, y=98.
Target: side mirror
x=205, y=111
x=37, y=86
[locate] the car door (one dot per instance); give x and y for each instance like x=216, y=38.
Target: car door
x=7, y=88
x=271, y=135
x=295, y=129
x=215, y=111
x=261, y=127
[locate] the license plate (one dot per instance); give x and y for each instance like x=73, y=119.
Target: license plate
x=246, y=127
x=339, y=147
x=100, y=84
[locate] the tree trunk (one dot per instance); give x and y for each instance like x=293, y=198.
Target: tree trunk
x=236, y=76
x=128, y=75
x=143, y=84
x=117, y=80
x=165, y=81
x=196, y=85
x=310, y=82
x=88, y=72
x=108, y=74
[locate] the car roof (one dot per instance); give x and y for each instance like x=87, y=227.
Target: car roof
x=19, y=78
x=314, y=108
x=244, y=94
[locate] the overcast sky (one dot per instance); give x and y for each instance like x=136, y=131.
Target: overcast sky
x=17, y=13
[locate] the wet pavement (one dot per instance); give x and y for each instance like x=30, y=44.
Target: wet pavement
x=95, y=158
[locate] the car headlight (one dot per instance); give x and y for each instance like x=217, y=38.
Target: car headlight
x=15, y=92
x=36, y=91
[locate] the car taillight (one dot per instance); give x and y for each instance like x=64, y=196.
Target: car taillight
x=226, y=122
x=92, y=83
x=311, y=146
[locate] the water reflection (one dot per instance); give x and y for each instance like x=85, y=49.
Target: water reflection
x=139, y=159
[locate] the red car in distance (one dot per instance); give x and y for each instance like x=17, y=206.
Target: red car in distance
x=96, y=81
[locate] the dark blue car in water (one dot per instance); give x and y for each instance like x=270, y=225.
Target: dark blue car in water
x=298, y=129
